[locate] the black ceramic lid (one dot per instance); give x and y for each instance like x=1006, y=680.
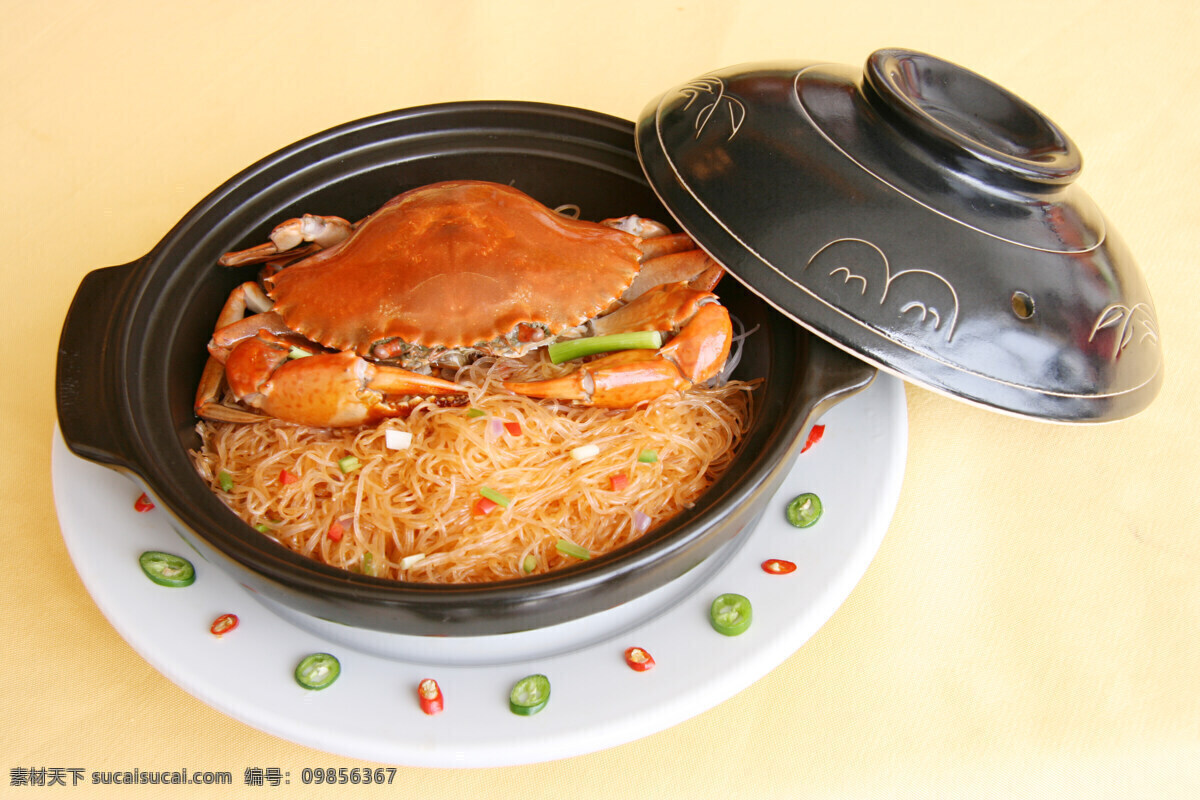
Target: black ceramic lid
x=919, y=216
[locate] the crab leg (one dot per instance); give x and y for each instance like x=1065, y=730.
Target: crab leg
x=321, y=231
x=229, y=336
x=249, y=295
x=642, y=227
x=624, y=379
x=664, y=308
x=665, y=259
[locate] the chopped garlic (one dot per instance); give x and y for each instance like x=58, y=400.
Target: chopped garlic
x=397, y=440
x=585, y=451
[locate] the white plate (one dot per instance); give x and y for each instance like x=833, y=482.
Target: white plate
x=371, y=712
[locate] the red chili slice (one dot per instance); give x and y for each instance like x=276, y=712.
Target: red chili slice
x=513, y=428
x=777, y=566
x=619, y=481
x=223, y=624
x=430, y=695
x=335, y=532
x=286, y=477
x=143, y=504
x=638, y=659
x=814, y=435
x=484, y=506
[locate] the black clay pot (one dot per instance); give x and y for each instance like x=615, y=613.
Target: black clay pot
x=133, y=347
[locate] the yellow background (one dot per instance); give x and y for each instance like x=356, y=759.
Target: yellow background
x=1031, y=625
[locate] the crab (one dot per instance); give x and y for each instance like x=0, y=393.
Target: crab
x=351, y=321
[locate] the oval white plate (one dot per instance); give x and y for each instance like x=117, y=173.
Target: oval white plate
x=372, y=713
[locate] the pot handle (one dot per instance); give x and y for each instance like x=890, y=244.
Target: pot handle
x=833, y=376
x=89, y=408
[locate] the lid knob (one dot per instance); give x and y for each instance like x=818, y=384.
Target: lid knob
x=956, y=109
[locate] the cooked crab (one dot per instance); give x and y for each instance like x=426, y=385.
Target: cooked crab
x=440, y=275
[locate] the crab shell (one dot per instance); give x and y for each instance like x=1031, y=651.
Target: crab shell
x=456, y=264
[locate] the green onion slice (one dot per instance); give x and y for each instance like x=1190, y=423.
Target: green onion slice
x=473, y=413
x=494, y=496
x=804, y=510
x=225, y=481
x=298, y=352
x=569, y=548
x=349, y=464
x=648, y=456
x=166, y=569
x=318, y=671
x=529, y=695
x=571, y=349
x=529, y=563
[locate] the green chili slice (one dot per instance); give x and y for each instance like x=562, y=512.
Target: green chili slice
x=731, y=614
x=166, y=569
x=318, y=671
x=804, y=510
x=529, y=695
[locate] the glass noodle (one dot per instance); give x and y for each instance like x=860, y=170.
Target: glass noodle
x=412, y=514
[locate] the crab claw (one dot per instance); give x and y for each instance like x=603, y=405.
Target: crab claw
x=325, y=390
x=624, y=379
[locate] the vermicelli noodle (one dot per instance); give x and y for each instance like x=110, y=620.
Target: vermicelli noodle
x=415, y=514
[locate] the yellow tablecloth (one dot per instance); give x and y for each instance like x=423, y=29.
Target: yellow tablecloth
x=1029, y=627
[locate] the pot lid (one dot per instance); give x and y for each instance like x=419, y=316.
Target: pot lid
x=919, y=216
